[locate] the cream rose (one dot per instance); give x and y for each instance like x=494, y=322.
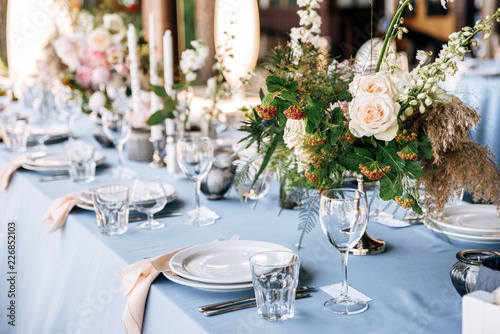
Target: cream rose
x=113, y=22
x=374, y=115
x=99, y=39
x=376, y=83
x=69, y=49
x=97, y=100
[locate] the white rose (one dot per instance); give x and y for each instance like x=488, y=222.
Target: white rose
x=69, y=49
x=295, y=131
x=97, y=100
x=374, y=115
x=99, y=39
x=113, y=22
x=376, y=83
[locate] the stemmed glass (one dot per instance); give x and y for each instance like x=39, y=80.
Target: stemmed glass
x=195, y=155
x=148, y=196
x=343, y=215
x=118, y=130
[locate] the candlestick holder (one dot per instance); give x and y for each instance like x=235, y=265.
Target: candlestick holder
x=157, y=157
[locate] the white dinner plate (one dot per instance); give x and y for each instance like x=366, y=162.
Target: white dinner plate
x=56, y=131
x=53, y=161
x=476, y=219
x=209, y=286
x=225, y=262
x=480, y=239
x=89, y=205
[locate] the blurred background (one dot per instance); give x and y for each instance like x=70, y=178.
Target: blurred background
x=346, y=24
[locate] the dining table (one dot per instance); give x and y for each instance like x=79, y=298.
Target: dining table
x=68, y=281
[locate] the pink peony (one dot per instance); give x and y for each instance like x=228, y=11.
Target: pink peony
x=83, y=76
x=100, y=75
x=122, y=69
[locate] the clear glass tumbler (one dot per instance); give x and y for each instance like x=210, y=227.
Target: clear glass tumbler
x=275, y=275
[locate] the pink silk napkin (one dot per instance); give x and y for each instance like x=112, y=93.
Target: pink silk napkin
x=14, y=164
x=136, y=280
x=59, y=210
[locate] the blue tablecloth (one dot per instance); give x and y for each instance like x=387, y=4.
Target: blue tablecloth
x=480, y=87
x=68, y=282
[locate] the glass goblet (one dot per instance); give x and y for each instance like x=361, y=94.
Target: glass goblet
x=195, y=157
x=148, y=196
x=118, y=130
x=343, y=215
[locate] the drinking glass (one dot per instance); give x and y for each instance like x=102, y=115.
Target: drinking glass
x=15, y=131
x=118, y=130
x=39, y=132
x=195, y=155
x=343, y=215
x=148, y=196
x=81, y=161
x=275, y=275
x=111, y=208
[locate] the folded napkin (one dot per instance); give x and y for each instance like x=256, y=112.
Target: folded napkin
x=136, y=280
x=335, y=289
x=14, y=164
x=204, y=212
x=59, y=210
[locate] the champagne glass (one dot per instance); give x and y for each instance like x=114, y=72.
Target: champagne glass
x=343, y=215
x=148, y=196
x=118, y=130
x=195, y=159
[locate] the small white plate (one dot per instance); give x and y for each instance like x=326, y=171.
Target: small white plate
x=208, y=286
x=54, y=161
x=89, y=205
x=225, y=262
x=476, y=219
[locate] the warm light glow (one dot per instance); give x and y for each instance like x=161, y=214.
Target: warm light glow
x=29, y=24
x=239, y=18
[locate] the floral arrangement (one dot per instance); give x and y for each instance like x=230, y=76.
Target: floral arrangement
x=320, y=119
x=92, y=59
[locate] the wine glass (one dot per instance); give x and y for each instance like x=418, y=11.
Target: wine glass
x=343, y=215
x=118, y=130
x=148, y=196
x=195, y=155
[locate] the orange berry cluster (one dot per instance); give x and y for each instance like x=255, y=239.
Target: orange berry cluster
x=312, y=177
x=404, y=203
x=268, y=112
x=348, y=137
x=317, y=161
x=406, y=136
x=311, y=141
x=293, y=112
x=375, y=174
x=407, y=156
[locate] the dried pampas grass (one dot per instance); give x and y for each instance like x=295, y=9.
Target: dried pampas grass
x=446, y=124
x=468, y=166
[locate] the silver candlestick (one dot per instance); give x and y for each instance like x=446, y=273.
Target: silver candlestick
x=157, y=157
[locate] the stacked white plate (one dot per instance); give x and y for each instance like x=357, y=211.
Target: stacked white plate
x=88, y=204
x=479, y=223
x=53, y=162
x=217, y=266
x=55, y=131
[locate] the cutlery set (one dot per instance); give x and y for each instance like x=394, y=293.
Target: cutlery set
x=239, y=304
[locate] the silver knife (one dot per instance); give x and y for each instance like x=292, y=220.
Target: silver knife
x=161, y=215
x=243, y=306
x=244, y=300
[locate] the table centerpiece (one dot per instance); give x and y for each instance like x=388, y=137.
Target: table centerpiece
x=322, y=118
